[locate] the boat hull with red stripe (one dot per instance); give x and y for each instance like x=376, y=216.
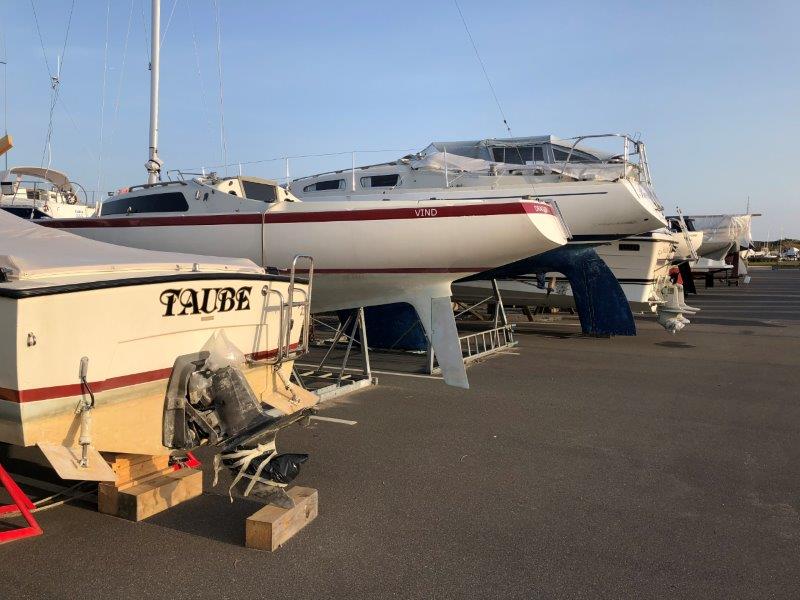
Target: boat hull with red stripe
x=365, y=253
x=128, y=314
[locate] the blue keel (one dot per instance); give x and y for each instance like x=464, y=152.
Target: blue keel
x=392, y=327
x=602, y=306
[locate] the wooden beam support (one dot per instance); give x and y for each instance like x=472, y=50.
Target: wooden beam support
x=273, y=526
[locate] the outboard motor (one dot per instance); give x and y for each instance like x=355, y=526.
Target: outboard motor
x=209, y=402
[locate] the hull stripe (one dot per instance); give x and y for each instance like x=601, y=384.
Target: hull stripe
x=75, y=389
x=377, y=214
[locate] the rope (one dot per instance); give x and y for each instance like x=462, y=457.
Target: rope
x=223, y=141
x=242, y=459
x=103, y=98
x=483, y=67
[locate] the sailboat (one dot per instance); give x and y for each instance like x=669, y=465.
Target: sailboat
x=602, y=196
x=37, y=192
x=365, y=253
x=641, y=264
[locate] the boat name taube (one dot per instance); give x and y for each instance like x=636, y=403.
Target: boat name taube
x=189, y=301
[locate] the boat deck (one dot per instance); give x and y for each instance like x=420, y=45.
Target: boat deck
x=653, y=466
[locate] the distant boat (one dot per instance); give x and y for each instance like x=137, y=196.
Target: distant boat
x=37, y=192
x=640, y=263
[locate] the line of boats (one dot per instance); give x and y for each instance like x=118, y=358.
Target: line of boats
x=169, y=314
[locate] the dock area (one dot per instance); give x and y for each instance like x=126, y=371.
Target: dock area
x=654, y=466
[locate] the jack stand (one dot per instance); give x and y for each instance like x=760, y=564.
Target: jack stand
x=483, y=343
x=84, y=409
x=21, y=504
x=331, y=381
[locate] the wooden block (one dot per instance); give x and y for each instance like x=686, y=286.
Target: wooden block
x=135, y=467
x=145, y=498
x=272, y=526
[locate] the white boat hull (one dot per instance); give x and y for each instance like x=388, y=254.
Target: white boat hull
x=594, y=211
x=131, y=343
x=640, y=264
x=363, y=255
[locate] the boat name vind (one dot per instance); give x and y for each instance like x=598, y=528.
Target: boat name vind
x=205, y=300
x=425, y=212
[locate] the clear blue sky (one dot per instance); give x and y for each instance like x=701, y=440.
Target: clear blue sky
x=713, y=88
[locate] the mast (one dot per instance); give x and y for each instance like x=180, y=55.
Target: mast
x=153, y=164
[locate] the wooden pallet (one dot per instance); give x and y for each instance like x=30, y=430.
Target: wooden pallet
x=146, y=485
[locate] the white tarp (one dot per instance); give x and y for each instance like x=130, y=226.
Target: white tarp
x=30, y=251
x=431, y=158
x=732, y=228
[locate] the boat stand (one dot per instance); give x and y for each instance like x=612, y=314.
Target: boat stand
x=20, y=504
x=329, y=381
x=484, y=343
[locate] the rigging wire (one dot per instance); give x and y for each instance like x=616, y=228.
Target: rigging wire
x=4, y=62
x=103, y=98
x=203, y=95
x=483, y=67
x=80, y=136
x=169, y=20
x=281, y=158
x=146, y=37
x=121, y=78
x=55, y=80
x=223, y=141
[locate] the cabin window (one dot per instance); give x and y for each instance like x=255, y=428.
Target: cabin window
x=561, y=154
x=380, y=181
x=150, y=203
x=260, y=191
x=518, y=155
x=321, y=186
x=629, y=247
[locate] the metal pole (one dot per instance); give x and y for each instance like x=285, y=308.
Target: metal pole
x=364, y=345
x=446, y=177
x=353, y=173
x=5, y=96
x=153, y=164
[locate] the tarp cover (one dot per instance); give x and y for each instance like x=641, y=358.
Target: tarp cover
x=431, y=158
x=30, y=251
x=733, y=228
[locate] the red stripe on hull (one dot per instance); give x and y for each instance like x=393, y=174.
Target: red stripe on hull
x=75, y=389
x=374, y=214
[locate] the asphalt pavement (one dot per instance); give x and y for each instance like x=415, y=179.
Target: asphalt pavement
x=656, y=466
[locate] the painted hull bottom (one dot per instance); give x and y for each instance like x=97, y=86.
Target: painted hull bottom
x=128, y=420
